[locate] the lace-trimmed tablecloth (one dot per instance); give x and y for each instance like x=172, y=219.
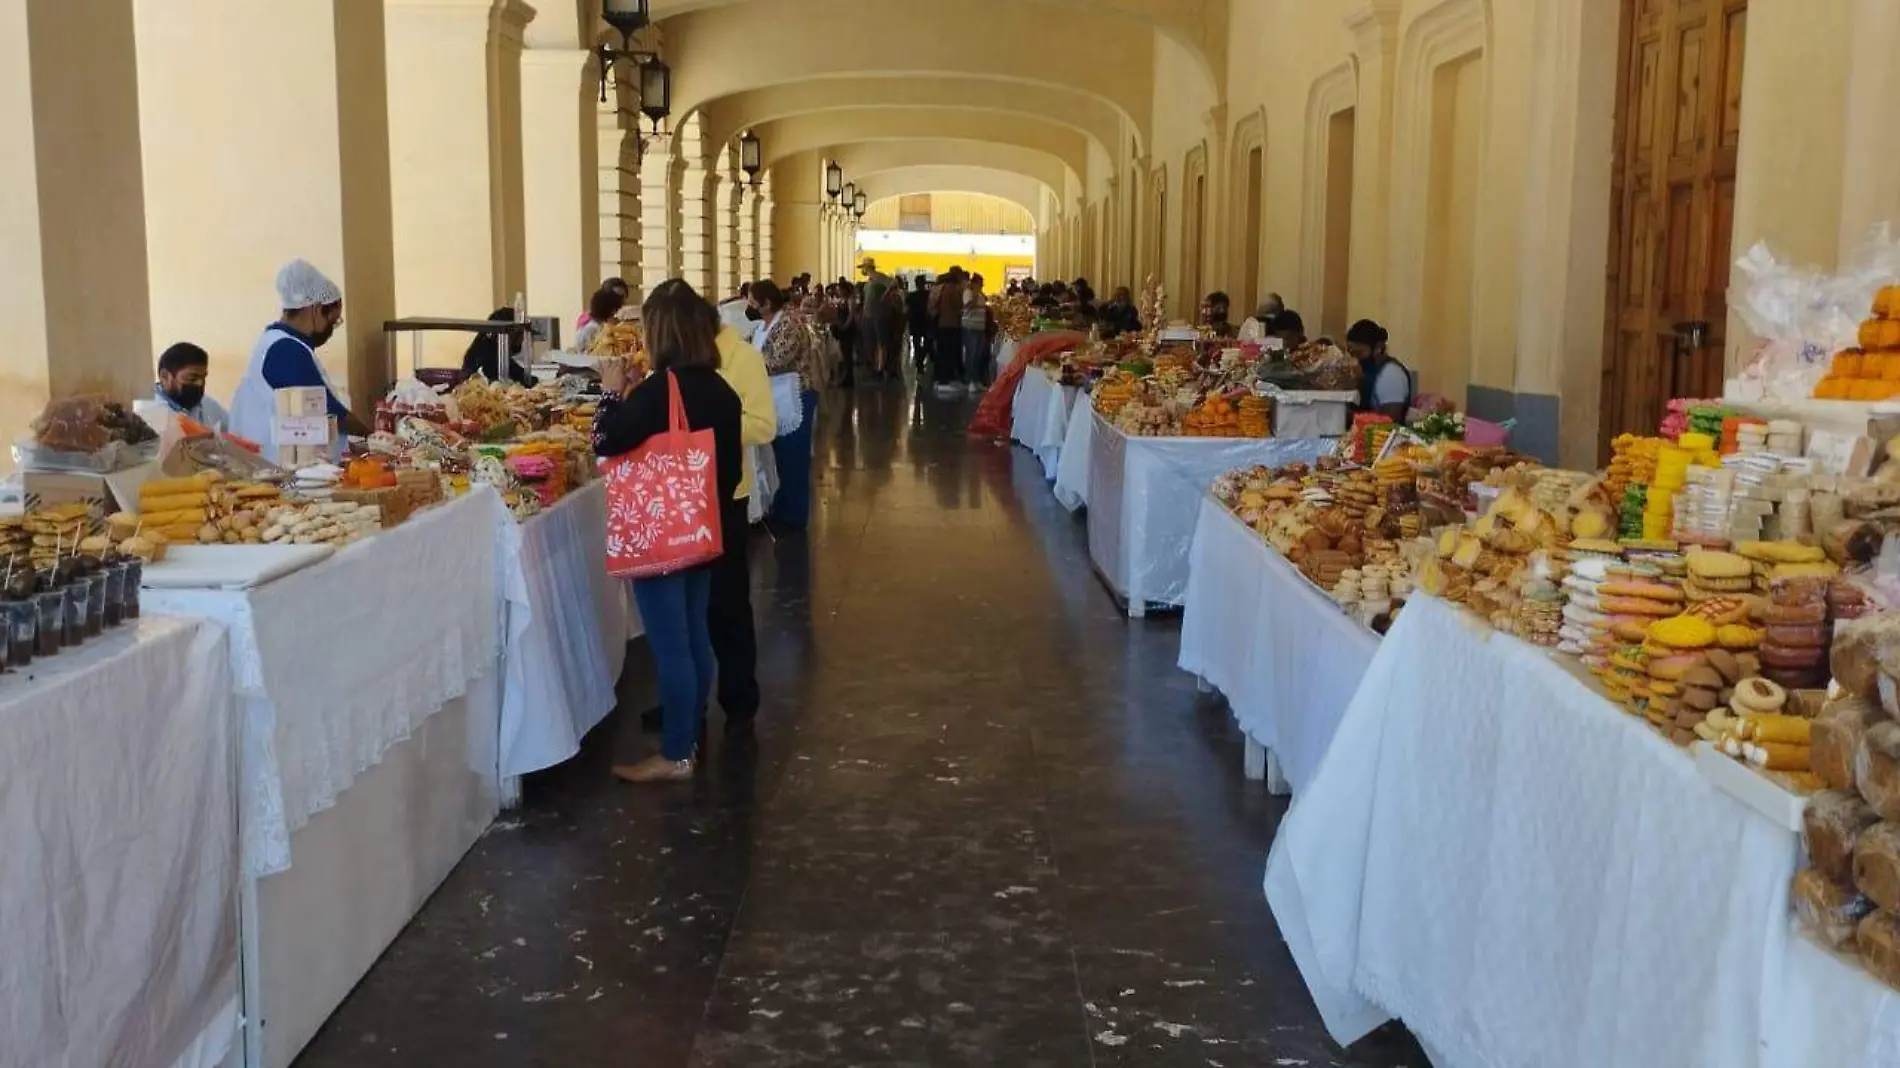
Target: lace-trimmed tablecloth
x=337, y=663
x=1287, y=658
x=1495, y=853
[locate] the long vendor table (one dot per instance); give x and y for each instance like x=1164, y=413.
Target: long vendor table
x=1072, y=463
x=1493, y=851
x=119, y=888
x=1039, y=419
x=1144, y=496
x=1285, y=656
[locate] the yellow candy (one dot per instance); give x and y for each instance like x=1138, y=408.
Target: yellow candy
x=1683, y=632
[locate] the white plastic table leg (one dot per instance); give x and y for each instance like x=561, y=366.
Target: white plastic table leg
x=1255, y=764
x=1276, y=777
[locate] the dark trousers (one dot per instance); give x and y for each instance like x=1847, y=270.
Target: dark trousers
x=729, y=617
x=793, y=453
x=948, y=359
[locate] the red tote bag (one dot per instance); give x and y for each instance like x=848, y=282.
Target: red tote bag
x=663, y=500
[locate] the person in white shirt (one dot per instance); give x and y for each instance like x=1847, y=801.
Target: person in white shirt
x=1255, y=328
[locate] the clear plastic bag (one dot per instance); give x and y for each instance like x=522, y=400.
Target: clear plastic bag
x=1801, y=316
x=1830, y=911
x=1836, y=739
x=1877, y=865
x=1831, y=827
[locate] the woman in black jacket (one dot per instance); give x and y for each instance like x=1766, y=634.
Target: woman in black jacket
x=484, y=354
x=681, y=342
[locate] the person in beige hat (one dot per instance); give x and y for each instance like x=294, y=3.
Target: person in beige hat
x=882, y=325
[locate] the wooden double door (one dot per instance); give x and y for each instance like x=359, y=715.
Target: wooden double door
x=1678, y=130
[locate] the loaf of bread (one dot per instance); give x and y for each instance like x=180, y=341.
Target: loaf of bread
x=1827, y=909
x=1831, y=827
x=1836, y=738
x=1878, y=940
x=1877, y=768
x=1877, y=865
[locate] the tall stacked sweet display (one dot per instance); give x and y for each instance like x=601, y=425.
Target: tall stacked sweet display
x=1153, y=315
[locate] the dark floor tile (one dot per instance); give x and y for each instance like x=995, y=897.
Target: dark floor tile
x=986, y=821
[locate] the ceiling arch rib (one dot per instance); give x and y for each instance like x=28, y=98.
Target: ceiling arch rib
x=729, y=116
x=1198, y=25
x=789, y=137
x=905, y=181
x=861, y=161
x=998, y=40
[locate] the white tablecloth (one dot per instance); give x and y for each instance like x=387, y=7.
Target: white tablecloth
x=1145, y=495
x=1072, y=465
x=118, y=852
x=1039, y=419
x=336, y=663
x=563, y=666
x=1492, y=851
x=1287, y=658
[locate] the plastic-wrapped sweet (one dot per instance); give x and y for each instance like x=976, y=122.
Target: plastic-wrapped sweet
x=1877, y=864
x=1877, y=768
x=1831, y=827
x=1829, y=910
x=1878, y=941
x=1836, y=738
x=1856, y=652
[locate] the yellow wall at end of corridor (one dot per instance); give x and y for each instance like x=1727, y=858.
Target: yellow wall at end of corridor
x=992, y=268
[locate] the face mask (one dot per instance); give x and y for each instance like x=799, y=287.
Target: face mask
x=322, y=337
x=753, y=313
x=186, y=397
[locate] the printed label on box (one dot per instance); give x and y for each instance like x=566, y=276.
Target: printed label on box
x=301, y=430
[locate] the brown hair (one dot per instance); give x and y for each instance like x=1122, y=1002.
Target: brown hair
x=681, y=329
x=767, y=293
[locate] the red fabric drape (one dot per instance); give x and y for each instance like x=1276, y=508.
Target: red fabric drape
x=993, y=412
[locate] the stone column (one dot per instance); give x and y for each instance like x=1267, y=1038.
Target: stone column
x=1871, y=171
x=768, y=265
x=749, y=233
x=619, y=201
x=659, y=234
x=724, y=193
x=560, y=179
x=455, y=159
x=696, y=252
x=1375, y=30
x=72, y=208
x=1564, y=243
x=300, y=169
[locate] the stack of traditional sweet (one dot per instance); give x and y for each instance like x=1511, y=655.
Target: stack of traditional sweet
x=1870, y=372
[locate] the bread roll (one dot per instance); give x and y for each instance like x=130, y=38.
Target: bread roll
x=1831, y=827
x=1828, y=910
x=1877, y=864
x=1836, y=737
x=1878, y=941
x=1877, y=768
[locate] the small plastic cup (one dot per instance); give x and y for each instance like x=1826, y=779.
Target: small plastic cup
x=95, y=604
x=134, y=578
x=50, y=609
x=78, y=607
x=21, y=620
x=114, y=594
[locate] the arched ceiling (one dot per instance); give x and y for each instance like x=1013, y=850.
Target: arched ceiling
x=789, y=137
x=863, y=161
x=1198, y=25
x=903, y=181
x=729, y=116
x=726, y=49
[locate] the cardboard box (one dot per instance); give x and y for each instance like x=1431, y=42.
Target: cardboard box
x=118, y=491
x=397, y=502
x=303, y=401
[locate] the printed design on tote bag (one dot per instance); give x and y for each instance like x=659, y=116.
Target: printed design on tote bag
x=662, y=502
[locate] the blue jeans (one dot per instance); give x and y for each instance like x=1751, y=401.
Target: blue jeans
x=792, y=506
x=673, y=609
x=976, y=357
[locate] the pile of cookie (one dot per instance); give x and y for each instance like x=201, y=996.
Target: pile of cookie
x=55, y=531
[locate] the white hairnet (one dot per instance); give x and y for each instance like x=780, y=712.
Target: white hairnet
x=299, y=285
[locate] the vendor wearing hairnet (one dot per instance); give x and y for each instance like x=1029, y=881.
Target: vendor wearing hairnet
x=286, y=355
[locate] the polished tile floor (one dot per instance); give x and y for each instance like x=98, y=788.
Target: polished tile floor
x=988, y=822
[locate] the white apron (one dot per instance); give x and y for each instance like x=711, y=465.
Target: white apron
x=254, y=405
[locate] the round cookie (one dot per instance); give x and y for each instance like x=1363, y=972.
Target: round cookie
x=1758, y=696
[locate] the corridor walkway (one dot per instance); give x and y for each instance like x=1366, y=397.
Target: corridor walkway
x=987, y=823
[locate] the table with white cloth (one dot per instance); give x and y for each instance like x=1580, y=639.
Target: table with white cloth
x=371, y=688
x=1493, y=851
x=1039, y=419
x=1144, y=498
x=563, y=666
x=119, y=887
x=1286, y=657
x=1072, y=464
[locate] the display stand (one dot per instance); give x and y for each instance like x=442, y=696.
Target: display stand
x=1040, y=417
x=1144, y=496
x=119, y=893
x=1072, y=464
x=1493, y=851
x=1286, y=657
x=372, y=693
